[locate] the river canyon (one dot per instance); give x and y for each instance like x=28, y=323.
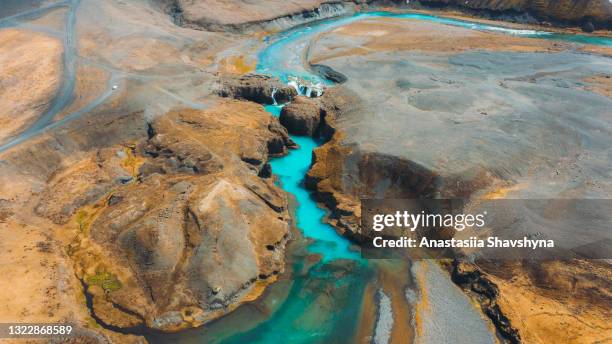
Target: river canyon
x=192, y=171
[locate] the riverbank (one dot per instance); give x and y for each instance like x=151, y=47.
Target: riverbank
x=585, y=14
x=452, y=13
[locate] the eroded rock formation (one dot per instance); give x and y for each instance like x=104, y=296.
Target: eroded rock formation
x=180, y=228
x=257, y=88
x=192, y=250
x=302, y=116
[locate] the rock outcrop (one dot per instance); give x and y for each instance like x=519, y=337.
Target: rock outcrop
x=197, y=232
x=192, y=250
x=328, y=73
x=258, y=88
x=302, y=116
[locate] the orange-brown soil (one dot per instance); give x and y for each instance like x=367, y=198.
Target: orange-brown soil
x=601, y=84
x=570, y=301
x=31, y=72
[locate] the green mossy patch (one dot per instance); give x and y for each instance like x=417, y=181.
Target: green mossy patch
x=104, y=280
x=82, y=219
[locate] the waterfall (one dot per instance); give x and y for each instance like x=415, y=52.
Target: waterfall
x=293, y=83
x=304, y=88
x=316, y=88
x=274, y=89
x=319, y=89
